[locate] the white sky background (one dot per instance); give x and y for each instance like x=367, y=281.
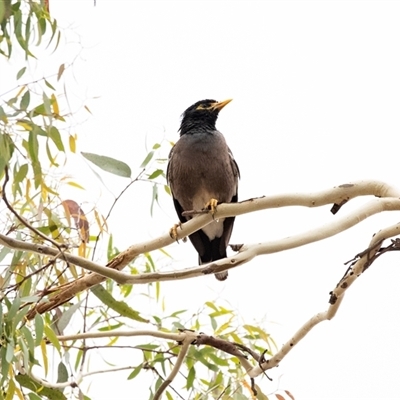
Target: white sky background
x=316, y=89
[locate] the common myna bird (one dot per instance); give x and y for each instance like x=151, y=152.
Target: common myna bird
x=203, y=173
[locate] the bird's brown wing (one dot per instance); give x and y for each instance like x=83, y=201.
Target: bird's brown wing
x=228, y=223
x=208, y=250
x=199, y=238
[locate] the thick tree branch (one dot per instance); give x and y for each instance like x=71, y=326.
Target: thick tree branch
x=389, y=201
x=365, y=260
x=246, y=253
x=337, y=296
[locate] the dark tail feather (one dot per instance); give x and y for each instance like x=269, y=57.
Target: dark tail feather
x=214, y=251
x=221, y=276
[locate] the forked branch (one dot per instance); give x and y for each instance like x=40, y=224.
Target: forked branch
x=388, y=200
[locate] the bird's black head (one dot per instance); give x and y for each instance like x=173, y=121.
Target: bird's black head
x=201, y=116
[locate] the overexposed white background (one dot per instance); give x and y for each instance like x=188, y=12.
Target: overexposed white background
x=316, y=89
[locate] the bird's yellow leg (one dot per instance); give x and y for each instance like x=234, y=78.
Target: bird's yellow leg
x=212, y=206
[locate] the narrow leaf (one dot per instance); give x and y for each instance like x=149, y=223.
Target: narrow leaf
x=72, y=143
x=10, y=390
x=61, y=70
x=33, y=396
x=44, y=356
x=56, y=138
x=3, y=115
x=21, y=173
x=154, y=198
x=37, y=387
x=147, y=159
x=25, y=100
x=13, y=309
x=156, y=173
x=109, y=164
x=119, y=306
x=62, y=375
x=135, y=372
x=190, y=378
x=10, y=351
x=54, y=104
x=33, y=146
x=73, y=209
x=49, y=85
x=39, y=327
x=66, y=316
x=52, y=337
x=21, y=72
x=4, y=364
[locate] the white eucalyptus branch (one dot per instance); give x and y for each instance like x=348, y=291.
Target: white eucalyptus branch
x=106, y=371
x=188, y=337
x=181, y=357
x=245, y=254
x=249, y=251
x=178, y=337
x=185, y=338
x=73, y=382
x=337, y=296
x=388, y=200
x=336, y=195
x=56, y=385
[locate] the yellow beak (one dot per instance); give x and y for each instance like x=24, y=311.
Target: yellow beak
x=221, y=104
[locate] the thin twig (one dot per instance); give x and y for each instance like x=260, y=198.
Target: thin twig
x=23, y=220
x=181, y=356
x=112, y=207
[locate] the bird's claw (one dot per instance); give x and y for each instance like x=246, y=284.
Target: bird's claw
x=173, y=232
x=212, y=206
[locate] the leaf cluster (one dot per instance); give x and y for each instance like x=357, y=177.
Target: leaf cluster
x=36, y=142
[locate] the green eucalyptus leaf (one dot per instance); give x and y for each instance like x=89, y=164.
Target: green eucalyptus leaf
x=4, y=364
x=10, y=351
x=156, y=173
x=66, y=316
x=147, y=159
x=52, y=337
x=25, y=100
x=47, y=83
x=120, y=307
x=3, y=115
x=135, y=372
x=13, y=309
x=190, y=378
x=109, y=164
x=33, y=146
x=31, y=384
x=22, y=70
x=62, y=375
x=39, y=328
x=56, y=138
x=21, y=173
x=6, y=150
